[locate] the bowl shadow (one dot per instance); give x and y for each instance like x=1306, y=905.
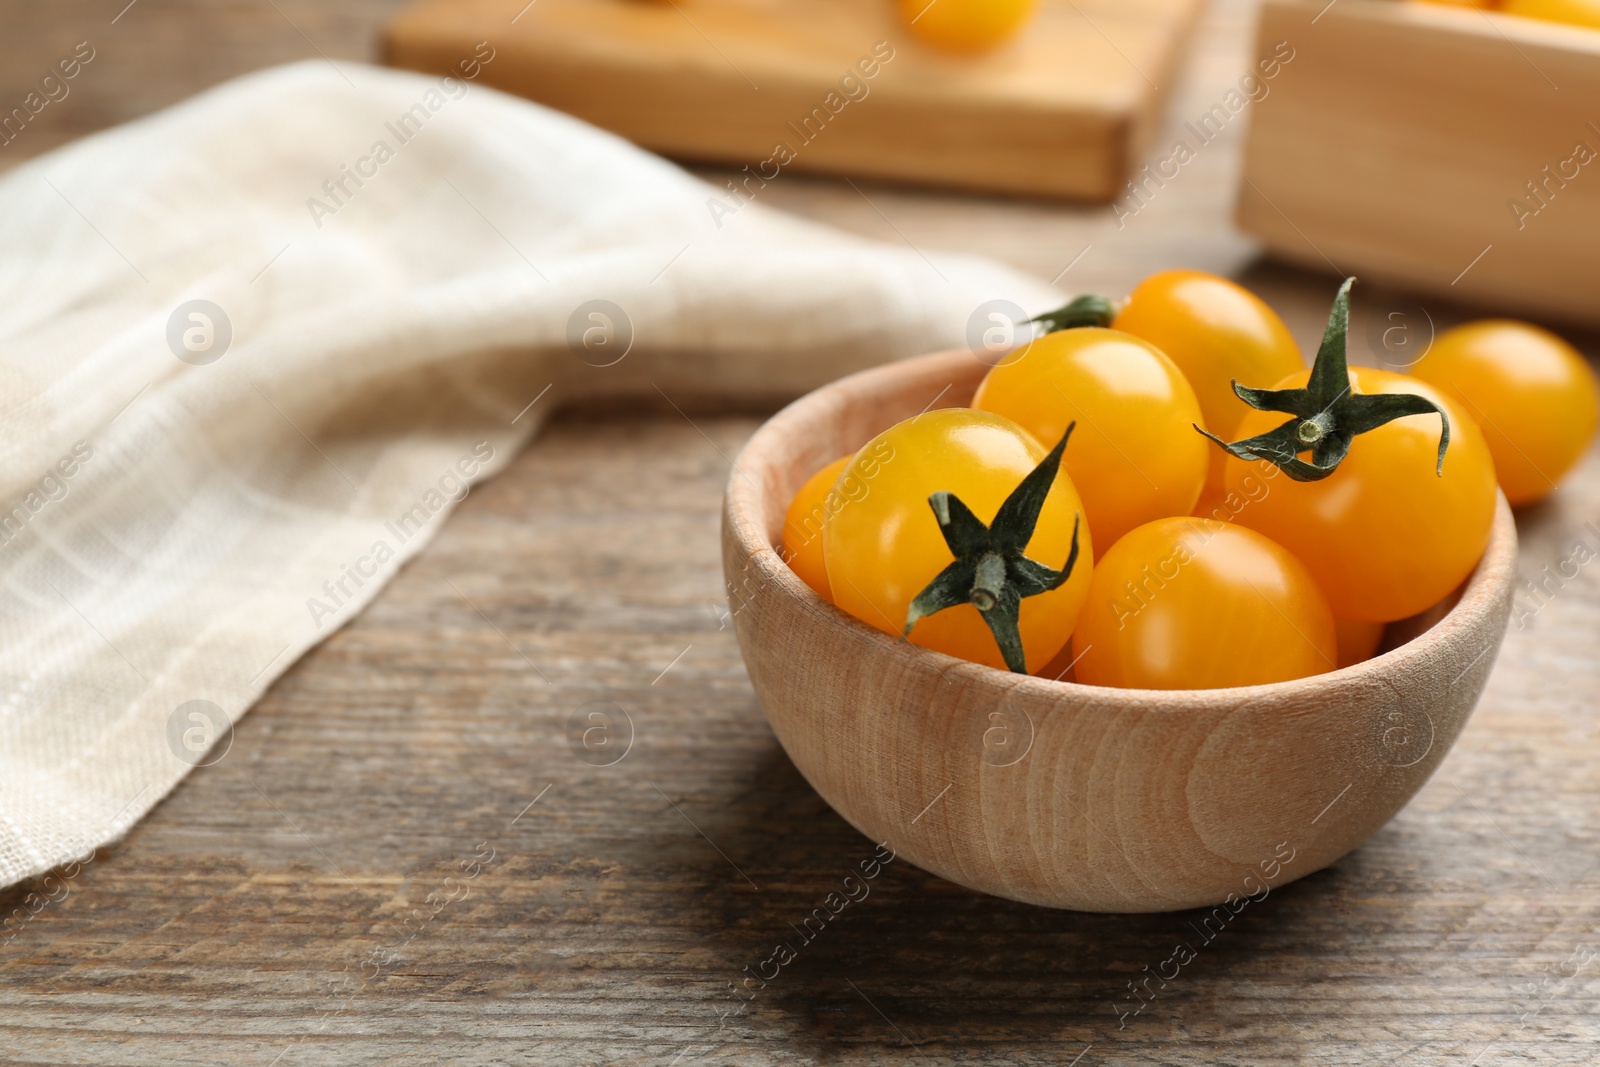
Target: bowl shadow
x=915, y=960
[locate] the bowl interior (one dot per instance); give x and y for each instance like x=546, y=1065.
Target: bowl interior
x=840, y=418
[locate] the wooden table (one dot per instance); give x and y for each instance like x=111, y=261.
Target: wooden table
x=403, y=860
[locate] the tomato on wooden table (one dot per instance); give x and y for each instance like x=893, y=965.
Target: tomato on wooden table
x=1533, y=396
x=966, y=25
x=1572, y=12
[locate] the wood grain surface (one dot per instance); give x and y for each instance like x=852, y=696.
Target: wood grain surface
x=1063, y=110
x=1473, y=134
x=276, y=909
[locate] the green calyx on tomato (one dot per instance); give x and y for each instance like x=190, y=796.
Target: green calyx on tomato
x=990, y=571
x=1328, y=414
x=1086, y=310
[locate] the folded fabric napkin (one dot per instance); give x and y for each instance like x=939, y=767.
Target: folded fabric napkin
x=253, y=349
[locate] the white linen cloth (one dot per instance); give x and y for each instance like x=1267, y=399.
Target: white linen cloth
x=176, y=530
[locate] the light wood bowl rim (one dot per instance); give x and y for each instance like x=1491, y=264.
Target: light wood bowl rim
x=745, y=510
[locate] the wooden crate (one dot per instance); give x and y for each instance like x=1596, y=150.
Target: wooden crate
x=1399, y=143
x=1064, y=110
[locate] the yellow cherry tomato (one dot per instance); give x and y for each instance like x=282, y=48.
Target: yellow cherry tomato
x=1385, y=536
x=885, y=546
x=1573, y=12
x=1216, y=331
x=1190, y=603
x=1535, y=399
x=1134, y=456
x=802, y=527
x=966, y=25
x=1358, y=641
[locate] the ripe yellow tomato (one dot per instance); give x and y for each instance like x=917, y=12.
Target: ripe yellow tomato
x=1134, y=456
x=966, y=25
x=1190, y=603
x=1215, y=331
x=1385, y=536
x=1358, y=641
x=1574, y=12
x=1535, y=399
x=802, y=527
x=886, y=546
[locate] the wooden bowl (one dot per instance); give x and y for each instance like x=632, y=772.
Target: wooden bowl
x=1066, y=795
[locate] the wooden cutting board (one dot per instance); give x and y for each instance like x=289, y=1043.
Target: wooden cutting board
x=781, y=85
